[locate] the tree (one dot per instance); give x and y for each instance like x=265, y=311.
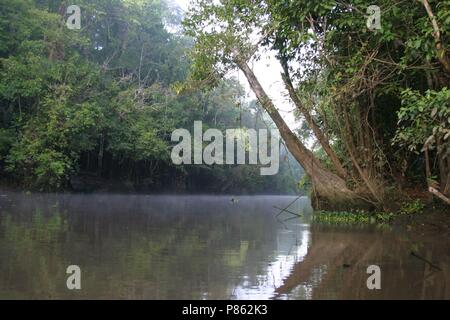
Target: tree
x=344, y=79
x=87, y=109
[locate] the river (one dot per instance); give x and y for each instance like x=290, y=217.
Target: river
x=205, y=247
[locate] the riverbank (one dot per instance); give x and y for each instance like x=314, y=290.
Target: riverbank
x=412, y=217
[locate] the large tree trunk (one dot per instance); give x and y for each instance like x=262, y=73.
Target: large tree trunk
x=329, y=190
x=311, y=123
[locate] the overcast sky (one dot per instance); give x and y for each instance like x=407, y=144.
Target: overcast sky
x=268, y=71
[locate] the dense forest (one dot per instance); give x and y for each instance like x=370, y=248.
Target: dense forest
x=376, y=100
x=93, y=109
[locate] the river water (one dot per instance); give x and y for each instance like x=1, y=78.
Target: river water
x=205, y=247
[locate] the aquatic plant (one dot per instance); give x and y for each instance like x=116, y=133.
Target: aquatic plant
x=412, y=207
x=364, y=217
x=342, y=217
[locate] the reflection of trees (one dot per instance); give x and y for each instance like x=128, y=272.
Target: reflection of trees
x=24, y=265
x=339, y=259
x=132, y=247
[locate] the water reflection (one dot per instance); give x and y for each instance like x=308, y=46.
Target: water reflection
x=337, y=260
x=199, y=247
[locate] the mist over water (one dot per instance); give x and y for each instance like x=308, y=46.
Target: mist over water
x=201, y=247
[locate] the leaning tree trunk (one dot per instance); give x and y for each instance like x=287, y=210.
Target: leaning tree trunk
x=340, y=170
x=329, y=190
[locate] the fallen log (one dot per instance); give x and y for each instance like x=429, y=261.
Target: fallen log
x=439, y=195
x=425, y=260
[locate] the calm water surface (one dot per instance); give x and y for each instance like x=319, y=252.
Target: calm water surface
x=204, y=247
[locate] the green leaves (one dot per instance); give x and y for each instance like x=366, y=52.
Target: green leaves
x=62, y=90
x=423, y=119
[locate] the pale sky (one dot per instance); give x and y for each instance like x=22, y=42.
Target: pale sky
x=268, y=71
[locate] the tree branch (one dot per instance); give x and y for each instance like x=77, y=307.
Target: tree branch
x=309, y=119
x=441, y=54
